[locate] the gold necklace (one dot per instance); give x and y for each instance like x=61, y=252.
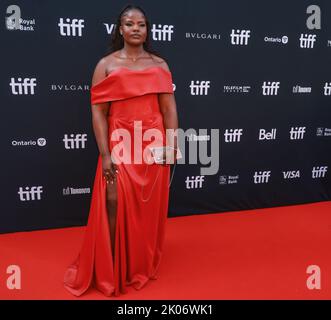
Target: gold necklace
x=133, y=59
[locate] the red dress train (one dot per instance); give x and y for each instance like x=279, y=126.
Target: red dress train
x=140, y=223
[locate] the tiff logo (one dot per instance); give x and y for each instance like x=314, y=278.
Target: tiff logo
x=194, y=182
x=261, y=177
x=162, y=32
x=240, y=37
x=270, y=88
x=327, y=89
x=22, y=86
x=307, y=40
x=33, y=193
x=232, y=135
x=72, y=27
x=297, y=133
x=199, y=88
x=76, y=141
x=319, y=172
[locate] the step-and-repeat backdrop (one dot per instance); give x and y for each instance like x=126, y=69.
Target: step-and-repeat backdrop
x=252, y=80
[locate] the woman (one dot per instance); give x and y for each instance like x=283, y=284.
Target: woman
x=131, y=92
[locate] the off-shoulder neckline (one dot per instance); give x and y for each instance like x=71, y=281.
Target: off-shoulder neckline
x=130, y=70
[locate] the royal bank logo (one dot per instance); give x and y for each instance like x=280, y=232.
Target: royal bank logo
x=23, y=86
x=71, y=27
x=75, y=141
x=307, y=41
x=323, y=132
x=236, y=89
x=240, y=37
x=40, y=142
x=15, y=21
x=276, y=40
x=299, y=89
x=199, y=88
x=270, y=88
x=227, y=179
x=162, y=32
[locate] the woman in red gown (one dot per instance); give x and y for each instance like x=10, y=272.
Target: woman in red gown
x=131, y=93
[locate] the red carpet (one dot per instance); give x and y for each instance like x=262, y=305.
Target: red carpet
x=256, y=254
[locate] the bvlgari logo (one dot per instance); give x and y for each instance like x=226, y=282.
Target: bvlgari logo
x=70, y=87
x=202, y=36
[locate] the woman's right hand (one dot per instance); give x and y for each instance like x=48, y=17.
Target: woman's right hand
x=109, y=169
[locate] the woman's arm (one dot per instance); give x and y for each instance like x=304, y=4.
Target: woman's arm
x=99, y=113
x=168, y=109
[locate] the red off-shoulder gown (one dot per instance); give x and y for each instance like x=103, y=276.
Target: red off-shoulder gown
x=141, y=222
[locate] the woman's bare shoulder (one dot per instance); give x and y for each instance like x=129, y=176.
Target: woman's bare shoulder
x=160, y=62
x=109, y=62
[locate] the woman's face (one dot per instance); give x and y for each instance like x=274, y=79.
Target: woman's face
x=133, y=27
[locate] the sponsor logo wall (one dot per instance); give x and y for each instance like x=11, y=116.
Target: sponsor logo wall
x=251, y=81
